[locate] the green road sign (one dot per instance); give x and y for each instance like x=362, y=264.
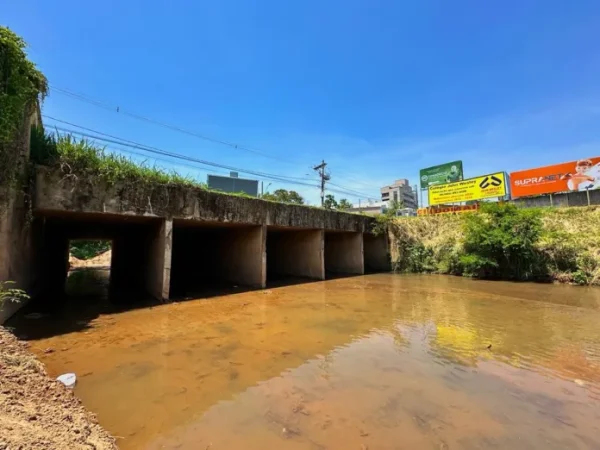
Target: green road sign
x=444, y=173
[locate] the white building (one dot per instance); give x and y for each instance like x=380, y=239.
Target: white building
x=401, y=191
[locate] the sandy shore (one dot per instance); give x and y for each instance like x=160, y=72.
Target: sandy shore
x=37, y=412
x=102, y=260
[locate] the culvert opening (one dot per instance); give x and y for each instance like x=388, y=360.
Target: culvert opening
x=343, y=254
x=294, y=255
x=209, y=259
x=70, y=294
x=88, y=276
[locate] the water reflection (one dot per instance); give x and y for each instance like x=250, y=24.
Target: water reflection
x=380, y=361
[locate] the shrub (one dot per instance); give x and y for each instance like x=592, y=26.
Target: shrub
x=500, y=241
x=88, y=249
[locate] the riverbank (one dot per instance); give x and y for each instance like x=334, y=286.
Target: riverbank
x=502, y=242
x=37, y=412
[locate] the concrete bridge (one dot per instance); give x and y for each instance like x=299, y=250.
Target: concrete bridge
x=168, y=240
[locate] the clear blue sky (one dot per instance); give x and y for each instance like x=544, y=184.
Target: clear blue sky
x=378, y=89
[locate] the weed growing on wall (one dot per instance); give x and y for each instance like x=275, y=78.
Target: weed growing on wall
x=83, y=158
x=12, y=295
x=22, y=85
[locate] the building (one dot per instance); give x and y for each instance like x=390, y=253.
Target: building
x=370, y=207
x=374, y=208
x=233, y=184
x=401, y=191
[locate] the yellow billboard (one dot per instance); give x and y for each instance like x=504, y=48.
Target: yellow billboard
x=478, y=188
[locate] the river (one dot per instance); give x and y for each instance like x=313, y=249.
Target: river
x=373, y=362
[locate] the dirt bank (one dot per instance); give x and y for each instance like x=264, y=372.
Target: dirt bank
x=102, y=260
x=37, y=412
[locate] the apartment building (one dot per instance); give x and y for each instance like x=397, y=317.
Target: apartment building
x=400, y=191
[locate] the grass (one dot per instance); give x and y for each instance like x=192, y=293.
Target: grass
x=568, y=246
x=83, y=158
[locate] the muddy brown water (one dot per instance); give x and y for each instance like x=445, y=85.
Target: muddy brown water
x=373, y=362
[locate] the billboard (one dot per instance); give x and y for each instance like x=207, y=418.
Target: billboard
x=478, y=188
x=444, y=173
x=580, y=175
x=232, y=184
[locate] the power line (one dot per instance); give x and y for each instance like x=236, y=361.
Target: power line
x=105, y=137
x=155, y=149
x=352, y=191
x=132, y=144
x=118, y=109
x=283, y=180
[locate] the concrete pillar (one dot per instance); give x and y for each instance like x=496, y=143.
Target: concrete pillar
x=344, y=253
x=243, y=256
x=376, y=252
x=297, y=253
x=158, y=265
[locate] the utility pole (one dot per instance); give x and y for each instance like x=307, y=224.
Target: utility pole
x=324, y=177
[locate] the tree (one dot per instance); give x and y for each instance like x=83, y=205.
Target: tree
x=344, y=204
x=330, y=202
x=284, y=196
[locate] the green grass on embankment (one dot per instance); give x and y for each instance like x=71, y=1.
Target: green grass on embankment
x=82, y=157
x=502, y=242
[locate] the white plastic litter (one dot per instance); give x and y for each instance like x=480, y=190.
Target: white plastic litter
x=68, y=379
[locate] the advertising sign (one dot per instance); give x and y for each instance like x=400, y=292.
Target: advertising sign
x=580, y=175
x=452, y=209
x=478, y=188
x=444, y=173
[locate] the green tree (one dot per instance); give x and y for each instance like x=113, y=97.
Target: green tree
x=284, y=196
x=344, y=204
x=330, y=202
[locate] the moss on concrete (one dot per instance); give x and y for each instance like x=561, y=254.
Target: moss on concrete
x=60, y=190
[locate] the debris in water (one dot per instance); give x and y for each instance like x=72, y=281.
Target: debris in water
x=579, y=382
x=49, y=350
x=68, y=379
x=489, y=347
x=363, y=433
x=289, y=432
x=33, y=316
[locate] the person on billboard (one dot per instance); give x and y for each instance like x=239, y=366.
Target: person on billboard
x=586, y=176
x=453, y=176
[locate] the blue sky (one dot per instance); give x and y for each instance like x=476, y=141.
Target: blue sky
x=379, y=89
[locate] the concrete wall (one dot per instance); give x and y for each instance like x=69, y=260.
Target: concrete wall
x=297, y=253
x=55, y=192
x=561, y=200
x=243, y=257
x=344, y=253
x=158, y=264
x=15, y=225
x=376, y=253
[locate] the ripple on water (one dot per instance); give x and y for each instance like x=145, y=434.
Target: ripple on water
x=374, y=361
